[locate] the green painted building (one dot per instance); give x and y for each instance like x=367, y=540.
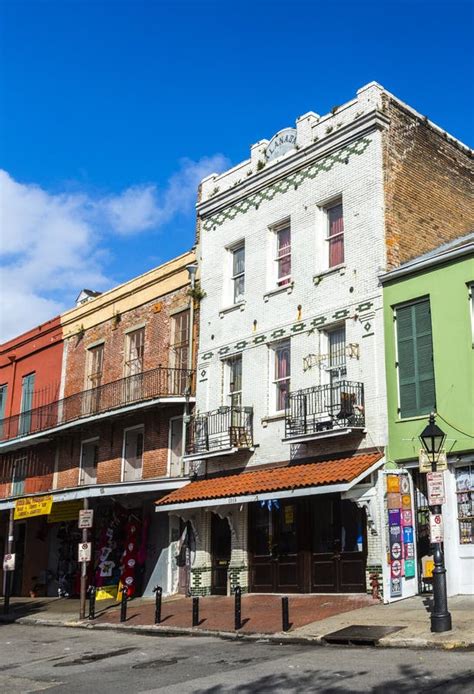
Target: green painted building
x=429, y=352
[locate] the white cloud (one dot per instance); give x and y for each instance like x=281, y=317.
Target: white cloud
x=53, y=245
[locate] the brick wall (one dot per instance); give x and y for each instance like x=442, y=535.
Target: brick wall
x=428, y=186
x=110, y=441
x=39, y=461
x=155, y=316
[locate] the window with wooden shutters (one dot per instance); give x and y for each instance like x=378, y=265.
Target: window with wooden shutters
x=415, y=359
x=27, y=391
x=96, y=361
x=135, y=351
x=179, y=351
x=3, y=405
x=179, y=340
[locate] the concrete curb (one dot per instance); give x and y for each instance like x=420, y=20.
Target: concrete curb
x=280, y=638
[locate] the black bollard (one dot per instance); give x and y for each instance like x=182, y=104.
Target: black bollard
x=238, y=610
x=159, y=592
x=195, y=612
x=284, y=614
x=92, y=596
x=123, y=604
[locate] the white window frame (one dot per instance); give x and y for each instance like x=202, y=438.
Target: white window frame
x=168, y=464
x=329, y=206
x=274, y=348
x=276, y=229
x=83, y=442
x=125, y=430
x=328, y=369
x=240, y=245
x=227, y=364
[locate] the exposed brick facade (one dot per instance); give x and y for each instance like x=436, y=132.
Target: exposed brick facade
x=154, y=316
x=110, y=437
x=428, y=179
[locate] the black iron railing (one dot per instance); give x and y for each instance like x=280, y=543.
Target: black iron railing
x=323, y=408
x=147, y=385
x=220, y=430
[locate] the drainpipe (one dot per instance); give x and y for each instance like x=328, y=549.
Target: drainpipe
x=192, y=269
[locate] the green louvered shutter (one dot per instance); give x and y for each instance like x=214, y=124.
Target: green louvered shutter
x=415, y=359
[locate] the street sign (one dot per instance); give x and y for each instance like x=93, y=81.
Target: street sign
x=436, y=493
x=426, y=462
x=86, y=518
x=9, y=562
x=85, y=552
x=436, y=527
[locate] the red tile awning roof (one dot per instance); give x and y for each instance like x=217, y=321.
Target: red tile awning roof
x=259, y=481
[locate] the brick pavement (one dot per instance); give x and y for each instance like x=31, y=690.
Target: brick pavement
x=261, y=613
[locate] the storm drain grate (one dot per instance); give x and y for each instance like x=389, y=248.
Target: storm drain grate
x=360, y=635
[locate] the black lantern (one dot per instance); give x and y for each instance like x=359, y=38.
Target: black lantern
x=432, y=437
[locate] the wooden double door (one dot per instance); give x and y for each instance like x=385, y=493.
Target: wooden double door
x=316, y=545
x=220, y=554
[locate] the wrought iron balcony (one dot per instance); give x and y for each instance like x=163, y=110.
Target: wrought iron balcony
x=221, y=431
x=324, y=410
x=131, y=390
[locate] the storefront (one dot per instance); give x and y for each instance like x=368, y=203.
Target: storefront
x=130, y=545
x=309, y=545
x=304, y=528
x=458, y=527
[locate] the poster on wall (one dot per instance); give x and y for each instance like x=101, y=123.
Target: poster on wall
x=399, y=519
x=396, y=588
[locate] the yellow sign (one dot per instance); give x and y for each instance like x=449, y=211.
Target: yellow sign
x=427, y=565
x=65, y=511
x=107, y=593
x=393, y=483
x=33, y=506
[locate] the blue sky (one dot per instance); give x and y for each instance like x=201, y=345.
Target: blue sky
x=112, y=110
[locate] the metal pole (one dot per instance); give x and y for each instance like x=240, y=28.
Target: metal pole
x=9, y=574
x=285, y=614
x=440, y=616
x=159, y=593
x=123, y=604
x=238, y=608
x=195, y=612
x=92, y=596
x=83, y=594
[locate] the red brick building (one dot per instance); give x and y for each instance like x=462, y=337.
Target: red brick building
x=30, y=377
x=112, y=435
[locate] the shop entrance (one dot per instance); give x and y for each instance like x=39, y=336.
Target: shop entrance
x=314, y=545
x=20, y=539
x=276, y=546
x=338, y=556
x=220, y=551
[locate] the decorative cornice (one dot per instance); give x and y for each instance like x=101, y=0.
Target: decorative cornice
x=292, y=181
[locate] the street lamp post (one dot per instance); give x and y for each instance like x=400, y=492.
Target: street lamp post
x=432, y=439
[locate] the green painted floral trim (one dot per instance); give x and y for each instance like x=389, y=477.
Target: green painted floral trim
x=291, y=182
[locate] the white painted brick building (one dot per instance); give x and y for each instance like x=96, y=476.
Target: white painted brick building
x=287, y=442
x=290, y=247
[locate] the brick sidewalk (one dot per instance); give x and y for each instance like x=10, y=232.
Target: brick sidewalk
x=260, y=613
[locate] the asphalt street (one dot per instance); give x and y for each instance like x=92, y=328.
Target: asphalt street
x=80, y=661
